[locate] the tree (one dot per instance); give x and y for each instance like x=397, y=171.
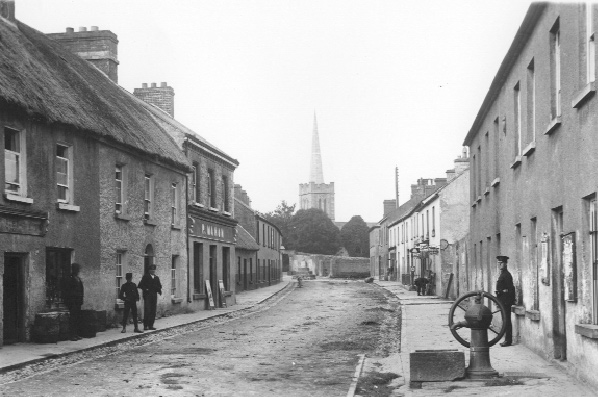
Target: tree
x=311, y=231
x=281, y=217
x=355, y=237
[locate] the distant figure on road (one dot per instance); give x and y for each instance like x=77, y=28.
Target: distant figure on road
x=151, y=287
x=420, y=285
x=505, y=292
x=128, y=293
x=73, y=298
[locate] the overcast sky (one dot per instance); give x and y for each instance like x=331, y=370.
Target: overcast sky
x=393, y=83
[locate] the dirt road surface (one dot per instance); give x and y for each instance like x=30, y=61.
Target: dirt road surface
x=305, y=342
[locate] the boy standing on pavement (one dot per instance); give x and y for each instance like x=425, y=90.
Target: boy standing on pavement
x=128, y=294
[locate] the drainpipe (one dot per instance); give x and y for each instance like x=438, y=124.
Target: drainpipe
x=189, y=300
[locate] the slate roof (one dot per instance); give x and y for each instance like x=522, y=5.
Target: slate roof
x=50, y=84
x=245, y=241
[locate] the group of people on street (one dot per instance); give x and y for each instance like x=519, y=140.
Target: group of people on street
x=150, y=286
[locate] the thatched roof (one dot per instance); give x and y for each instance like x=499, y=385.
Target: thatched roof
x=53, y=85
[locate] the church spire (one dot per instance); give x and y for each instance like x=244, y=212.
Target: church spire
x=316, y=173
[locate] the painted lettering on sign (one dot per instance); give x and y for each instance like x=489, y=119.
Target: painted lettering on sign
x=197, y=227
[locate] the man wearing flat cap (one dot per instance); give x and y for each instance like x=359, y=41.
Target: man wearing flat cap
x=505, y=292
x=128, y=293
x=151, y=287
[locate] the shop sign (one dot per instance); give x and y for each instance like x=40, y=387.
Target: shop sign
x=209, y=230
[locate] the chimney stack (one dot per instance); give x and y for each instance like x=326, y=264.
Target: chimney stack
x=7, y=10
x=389, y=206
x=99, y=47
x=162, y=97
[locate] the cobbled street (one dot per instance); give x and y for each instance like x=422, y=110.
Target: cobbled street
x=307, y=342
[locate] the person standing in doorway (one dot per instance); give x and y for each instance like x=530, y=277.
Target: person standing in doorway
x=505, y=292
x=151, y=287
x=128, y=293
x=73, y=298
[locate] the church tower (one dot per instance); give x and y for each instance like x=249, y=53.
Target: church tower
x=316, y=193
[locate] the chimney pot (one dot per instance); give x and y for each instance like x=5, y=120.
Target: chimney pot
x=153, y=85
x=163, y=84
x=144, y=85
x=82, y=29
x=7, y=9
x=70, y=30
x=94, y=29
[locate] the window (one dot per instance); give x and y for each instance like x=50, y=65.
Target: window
x=197, y=267
x=119, y=189
x=251, y=270
x=226, y=268
x=496, y=134
x=58, y=267
x=517, y=117
x=488, y=162
x=195, y=183
x=531, y=102
x=593, y=228
x=479, y=172
x=555, y=65
x=427, y=224
x=211, y=189
x=474, y=191
x=63, y=173
x=225, y=198
x=148, y=258
x=14, y=162
x=174, y=204
x=534, y=262
x=119, y=272
x=590, y=46
x=433, y=221
x=149, y=196
x=173, y=276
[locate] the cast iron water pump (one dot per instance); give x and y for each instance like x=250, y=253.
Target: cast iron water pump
x=478, y=318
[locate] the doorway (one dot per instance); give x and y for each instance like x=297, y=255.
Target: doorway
x=13, y=298
x=245, y=274
x=214, y=274
x=558, y=299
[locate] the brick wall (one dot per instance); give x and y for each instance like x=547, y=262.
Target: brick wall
x=162, y=96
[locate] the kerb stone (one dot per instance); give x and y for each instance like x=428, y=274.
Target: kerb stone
x=436, y=365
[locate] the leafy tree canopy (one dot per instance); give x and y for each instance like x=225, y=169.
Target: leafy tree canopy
x=281, y=217
x=311, y=231
x=355, y=237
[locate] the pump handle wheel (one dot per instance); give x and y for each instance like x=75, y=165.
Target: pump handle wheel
x=499, y=308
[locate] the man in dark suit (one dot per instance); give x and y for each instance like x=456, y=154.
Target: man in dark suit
x=73, y=298
x=420, y=284
x=505, y=292
x=151, y=287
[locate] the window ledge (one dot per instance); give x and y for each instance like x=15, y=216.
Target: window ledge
x=17, y=198
x=587, y=330
x=150, y=222
x=176, y=300
x=584, y=94
x=529, y=149
x=197, y=297
x=487, y=191
x=226, y=213
x=122, y=217
x=200, y=205
x=479, y=199
x=533, y=315
x=213, y=209
x=553, y=126
x=495, y=182
x=68, y=207
x=516, y=163
x=175, y=227
x=518, y=310
x=474, y=204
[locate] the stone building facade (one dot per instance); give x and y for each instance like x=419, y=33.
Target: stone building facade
x=76, y=184
x=534, y=183
x=265, y=267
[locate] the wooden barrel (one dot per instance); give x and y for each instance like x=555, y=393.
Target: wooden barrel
x=100, y=320
x=46, y=328
x=88, y=325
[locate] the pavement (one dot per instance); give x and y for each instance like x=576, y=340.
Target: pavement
x=521, y=371
x=18, y=355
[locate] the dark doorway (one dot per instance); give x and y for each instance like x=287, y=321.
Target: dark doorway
x=214, y=274
x=559, y=335
x=13, y=298
x=245, y=274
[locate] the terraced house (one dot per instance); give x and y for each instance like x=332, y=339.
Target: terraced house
x=89, y=175
x=534, y=155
